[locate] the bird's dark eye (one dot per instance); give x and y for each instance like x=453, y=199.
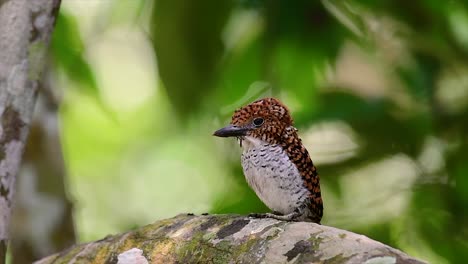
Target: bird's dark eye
x=258, y=121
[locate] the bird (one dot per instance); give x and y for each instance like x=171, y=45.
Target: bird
x=275, y=163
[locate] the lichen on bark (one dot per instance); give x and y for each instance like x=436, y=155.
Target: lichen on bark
x=232, y=239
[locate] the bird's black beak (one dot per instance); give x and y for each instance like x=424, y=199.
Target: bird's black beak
x=231, y=131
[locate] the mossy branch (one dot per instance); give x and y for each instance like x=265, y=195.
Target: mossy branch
x=232, y=239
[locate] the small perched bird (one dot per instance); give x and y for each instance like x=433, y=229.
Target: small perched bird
x=276, y=164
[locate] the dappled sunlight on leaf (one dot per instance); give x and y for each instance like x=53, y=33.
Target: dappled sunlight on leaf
x=375, y=193
x=330, y=142
x=119, y=58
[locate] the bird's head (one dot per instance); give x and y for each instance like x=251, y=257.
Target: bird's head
x=265, y=119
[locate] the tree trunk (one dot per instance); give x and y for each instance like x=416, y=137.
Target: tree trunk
x=25, y=29
x=232, y=239
x=42, y=221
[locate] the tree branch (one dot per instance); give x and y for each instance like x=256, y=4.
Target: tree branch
x=232, y=239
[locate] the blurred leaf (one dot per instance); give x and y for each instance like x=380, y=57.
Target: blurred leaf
x=458, y=172
x=428, y=21
x=373, y=120
x=350, y=18
x=67, y=51
x=241, y=70
x=305, y=20
x=422, y=14
x=187, y=41
x=431, y=210
x=297, y=69
x=301, y=40
x=421, y=78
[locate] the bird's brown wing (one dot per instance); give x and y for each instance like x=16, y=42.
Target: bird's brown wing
x=299, y=155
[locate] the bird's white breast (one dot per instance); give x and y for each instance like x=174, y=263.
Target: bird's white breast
x=272, y=175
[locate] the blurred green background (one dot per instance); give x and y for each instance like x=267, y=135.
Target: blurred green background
x=378, y=90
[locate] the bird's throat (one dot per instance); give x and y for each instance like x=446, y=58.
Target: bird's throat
x=248, y=142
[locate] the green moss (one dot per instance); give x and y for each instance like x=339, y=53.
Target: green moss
x=315, y=242
x=342, y=236
x=158, y=224
x=338, y=259
x=274, y=234
x=190, y=250
x=245, y=247
x=147, y=247
x=102, y=253
x=200, y=250
x=209, y=236
x=224, y=246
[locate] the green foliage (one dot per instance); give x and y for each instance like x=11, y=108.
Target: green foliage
x=188, y=47
x=67, y=50
x=408, y=102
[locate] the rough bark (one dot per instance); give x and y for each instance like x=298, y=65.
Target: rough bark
x=25, y=29
x=232, y=239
